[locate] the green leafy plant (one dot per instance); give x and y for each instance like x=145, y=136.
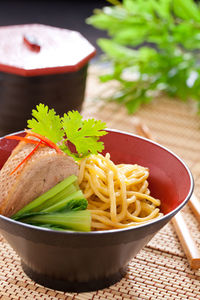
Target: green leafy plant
x=153, y=46
x=71, y=128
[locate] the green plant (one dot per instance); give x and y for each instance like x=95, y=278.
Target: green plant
x=156, y=40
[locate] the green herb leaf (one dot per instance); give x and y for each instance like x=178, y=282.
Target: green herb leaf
x=170, y=30
x=46, y=122
x=83, y=134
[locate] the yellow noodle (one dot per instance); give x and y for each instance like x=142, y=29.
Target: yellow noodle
x=137, y=209
x=99, y=172
x=149, y=217
x=81, y=170
x=139, y=180
x=122, y=214
x=100, y=226
x=144, y=187
x=131, y=199
x=94, y=185
x=88, y=193
x=118, y=195
x=113, y=208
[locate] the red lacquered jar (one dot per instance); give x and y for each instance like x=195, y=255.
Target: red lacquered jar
x=40, y=63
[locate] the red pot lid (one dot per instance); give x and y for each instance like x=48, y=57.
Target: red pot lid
x=35, y=49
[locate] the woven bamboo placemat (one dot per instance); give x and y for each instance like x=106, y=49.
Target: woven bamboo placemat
x=160, y=270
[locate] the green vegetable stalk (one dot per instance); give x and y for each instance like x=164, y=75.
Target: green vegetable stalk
x=47, y=196
x=63, y=207
x=71, y=220
x=153, y=46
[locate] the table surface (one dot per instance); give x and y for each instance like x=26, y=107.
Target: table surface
x=160, y=270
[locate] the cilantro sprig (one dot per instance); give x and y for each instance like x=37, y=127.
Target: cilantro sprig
x=71, y=129
x=83, y=134
x=46, y=122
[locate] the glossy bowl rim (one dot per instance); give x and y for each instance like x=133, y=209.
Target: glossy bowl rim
x=115, y=231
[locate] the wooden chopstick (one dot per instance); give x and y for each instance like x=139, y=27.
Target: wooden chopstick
x=189, y=246
x=187, y=242
x=194, y=204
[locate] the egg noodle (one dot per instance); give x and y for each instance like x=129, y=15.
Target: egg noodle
x=118, y=195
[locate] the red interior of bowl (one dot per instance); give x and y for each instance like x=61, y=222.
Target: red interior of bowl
x=169, y=180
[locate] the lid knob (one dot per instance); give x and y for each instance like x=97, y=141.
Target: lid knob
x=31, y=42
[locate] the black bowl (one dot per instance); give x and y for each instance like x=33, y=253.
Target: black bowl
x=79, y=261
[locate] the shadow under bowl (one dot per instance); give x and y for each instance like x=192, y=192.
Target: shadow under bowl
x=79, y=261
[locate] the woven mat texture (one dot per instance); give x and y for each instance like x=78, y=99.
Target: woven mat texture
x=160, y=270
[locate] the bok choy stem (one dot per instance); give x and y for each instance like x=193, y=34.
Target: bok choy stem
x=78, y=195
x=49, y=194
x=72, y=220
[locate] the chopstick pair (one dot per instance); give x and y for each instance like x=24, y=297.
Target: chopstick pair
x=189, y=246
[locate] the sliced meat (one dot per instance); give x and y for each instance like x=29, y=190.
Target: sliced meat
x=37, y=175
